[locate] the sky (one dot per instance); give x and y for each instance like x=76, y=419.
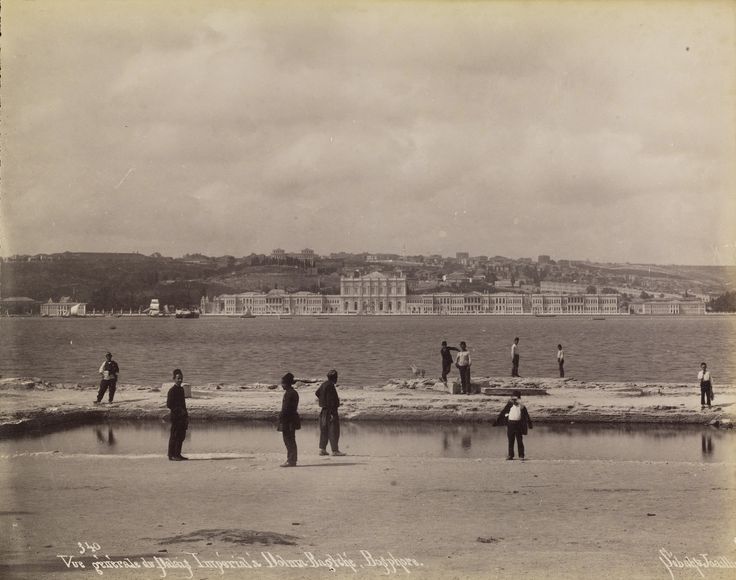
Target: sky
x=582, y=130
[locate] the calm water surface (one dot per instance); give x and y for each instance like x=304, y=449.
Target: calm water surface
x=578, y=442
x=366, y=350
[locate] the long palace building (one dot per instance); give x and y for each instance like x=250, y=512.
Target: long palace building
x=378, y=293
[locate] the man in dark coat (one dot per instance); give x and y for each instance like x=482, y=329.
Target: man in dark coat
x=179, y=417
x=329, y=421
x=289, y=420
x=446, y=352
x=517, y=421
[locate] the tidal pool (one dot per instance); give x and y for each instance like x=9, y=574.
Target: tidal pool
x=476, y=441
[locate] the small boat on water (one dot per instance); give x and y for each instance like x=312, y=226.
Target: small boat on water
x=247, y=314
x=186, y=313
x=598, y=318
x=285, y=317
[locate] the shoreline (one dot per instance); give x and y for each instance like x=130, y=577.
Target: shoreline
x=211, y=315
x=31, y=404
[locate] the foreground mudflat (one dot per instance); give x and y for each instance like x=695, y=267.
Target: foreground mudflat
x=437, y=518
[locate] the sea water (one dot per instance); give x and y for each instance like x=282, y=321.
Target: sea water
x=366, y=350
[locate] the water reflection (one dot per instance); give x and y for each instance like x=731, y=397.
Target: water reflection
x=706, y=444
x=453, y=437
x=109, y=440
x=466, y=442
x=379, y=439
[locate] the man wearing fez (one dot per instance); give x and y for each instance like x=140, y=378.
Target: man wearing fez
x=289, y=420
x=109, y=371
x=329, y=421
x=517, y=421
x=179, y=417
x=446, y=354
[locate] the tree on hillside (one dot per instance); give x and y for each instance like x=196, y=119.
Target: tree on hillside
x=724, y=303
x=625, y=300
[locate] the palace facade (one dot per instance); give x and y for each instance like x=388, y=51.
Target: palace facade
x=665, y=307
x=374, y=293
x=378, y=293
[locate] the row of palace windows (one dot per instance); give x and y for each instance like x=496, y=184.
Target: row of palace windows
x=367, y=306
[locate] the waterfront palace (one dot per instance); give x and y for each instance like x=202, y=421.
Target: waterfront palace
x=377, y=293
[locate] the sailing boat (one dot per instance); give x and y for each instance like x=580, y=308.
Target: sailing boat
x=154, y=309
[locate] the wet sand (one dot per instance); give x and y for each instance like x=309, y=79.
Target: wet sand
x=457, y=518
x=454, y=518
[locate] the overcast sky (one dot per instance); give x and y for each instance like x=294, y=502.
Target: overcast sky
x=601, y=130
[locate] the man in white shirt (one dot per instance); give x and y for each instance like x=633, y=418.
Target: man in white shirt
x=515, y=358
x=109, y=371
x=516, y=418
x=463, y=362
x=706, y=386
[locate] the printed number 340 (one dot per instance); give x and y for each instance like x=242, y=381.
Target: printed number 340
x=93, y=547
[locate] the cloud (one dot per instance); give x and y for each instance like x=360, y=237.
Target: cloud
x=518, y=129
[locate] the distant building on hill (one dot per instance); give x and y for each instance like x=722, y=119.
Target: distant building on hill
x=307, y=256
x=561, y=287
x=457, y=278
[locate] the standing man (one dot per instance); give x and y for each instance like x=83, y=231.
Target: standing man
x=446, y=352
x=179, y=417
x=329, y=421
x=463, y=362
x=517, y=421
x=706, y=386
x=109, y=371
x=561, y=360
x=515, y=358
x=289, y=420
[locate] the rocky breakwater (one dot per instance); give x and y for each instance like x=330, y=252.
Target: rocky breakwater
x=32, y=403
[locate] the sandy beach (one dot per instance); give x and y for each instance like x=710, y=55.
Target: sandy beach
x=241, y=516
